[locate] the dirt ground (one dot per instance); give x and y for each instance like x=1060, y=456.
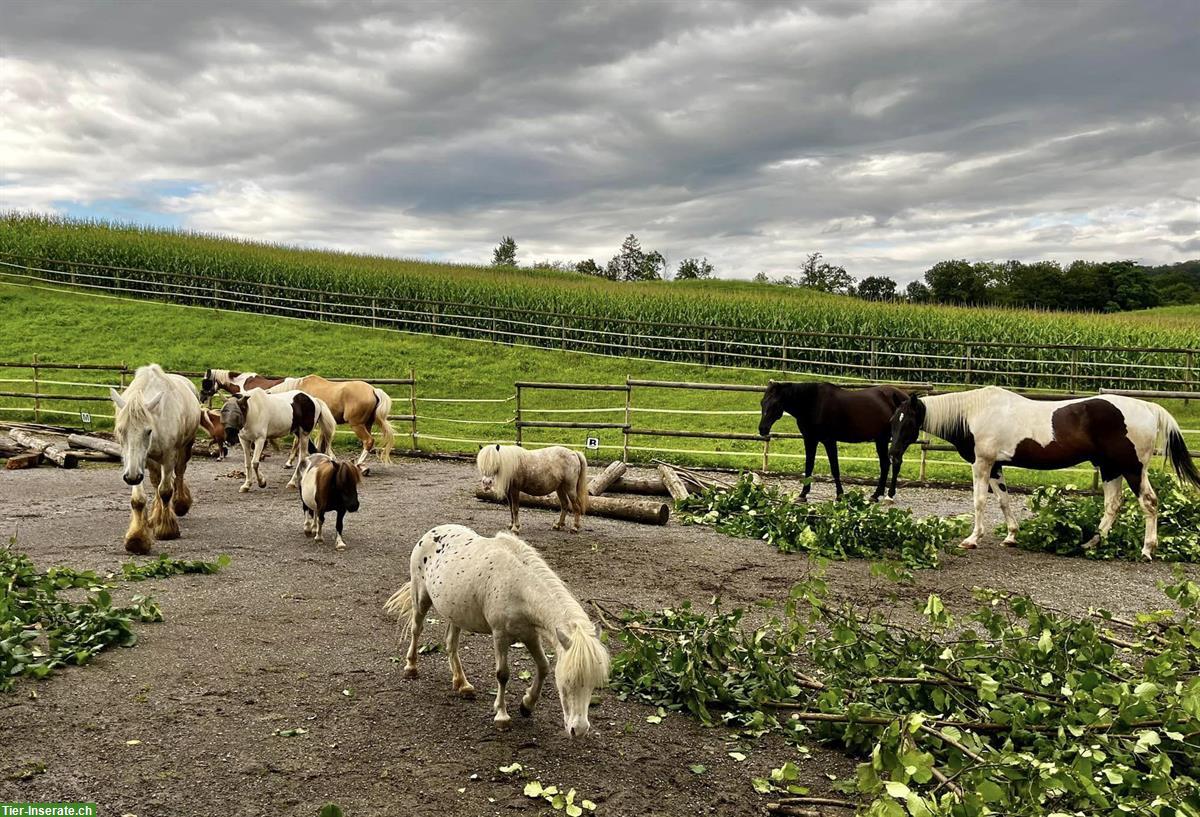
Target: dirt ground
x=291, y=635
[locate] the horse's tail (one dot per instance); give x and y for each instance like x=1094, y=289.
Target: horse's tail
x=328, y=427
x=1176, y=447
x=581, y=483
x=400, y=605
x=383, y=407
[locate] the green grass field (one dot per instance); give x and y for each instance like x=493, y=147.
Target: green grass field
x=69, y=327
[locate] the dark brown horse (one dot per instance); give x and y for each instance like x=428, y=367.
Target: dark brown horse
x=828, y=415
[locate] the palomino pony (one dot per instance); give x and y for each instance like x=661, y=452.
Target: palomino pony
x=992, y=427
x=354, y=402
x=156, y=422
x=503, y=587
x=327, y=484
x=507, y=470
x=828, y=414
x=270, y=416
x=233, y=382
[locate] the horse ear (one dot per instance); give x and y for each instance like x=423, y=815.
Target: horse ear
x=153, y=402
x=563, y=638
x=116, y=397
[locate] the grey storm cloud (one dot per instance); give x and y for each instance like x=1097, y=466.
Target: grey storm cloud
x=887, y=135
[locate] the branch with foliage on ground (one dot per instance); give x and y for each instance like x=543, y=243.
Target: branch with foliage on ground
x=851, y=527
x=41, y=630
x=1018, y=710
x=1063, y=523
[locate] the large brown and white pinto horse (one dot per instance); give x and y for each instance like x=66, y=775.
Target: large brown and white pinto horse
x=355, y=402
x=992, y=427
x=156, y=422
x=234, y=383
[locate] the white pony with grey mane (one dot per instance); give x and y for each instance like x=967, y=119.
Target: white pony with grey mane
x=156, y=422
x=507, y=470
x=501, y=586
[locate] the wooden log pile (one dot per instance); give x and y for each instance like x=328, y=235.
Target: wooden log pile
x=647, y=511
x=29, y=445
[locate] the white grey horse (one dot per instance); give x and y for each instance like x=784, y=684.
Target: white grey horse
x=507, y=470
x=501, y=586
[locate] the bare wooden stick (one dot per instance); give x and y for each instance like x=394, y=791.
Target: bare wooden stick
x=671, y=480
x=810, y=800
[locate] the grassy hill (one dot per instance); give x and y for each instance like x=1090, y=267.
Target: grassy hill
x=73, y=327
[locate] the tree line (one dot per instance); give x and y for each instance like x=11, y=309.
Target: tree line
x=1094, y=286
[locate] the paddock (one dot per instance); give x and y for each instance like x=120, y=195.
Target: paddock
x=291, y=635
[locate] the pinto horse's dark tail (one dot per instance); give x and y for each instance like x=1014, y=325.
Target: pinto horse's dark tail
x=1181, y=459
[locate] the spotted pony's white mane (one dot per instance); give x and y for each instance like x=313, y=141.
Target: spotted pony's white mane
x=501, y=463
x=585, y=661
x=948, y=415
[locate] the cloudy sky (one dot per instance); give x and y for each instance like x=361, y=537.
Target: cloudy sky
x=886, y=135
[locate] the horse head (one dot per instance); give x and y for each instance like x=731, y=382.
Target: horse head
x=208, y=386
x=772, y=408
x=233, y=417
x=134, y=430
x=907, y=422
x=582, y=668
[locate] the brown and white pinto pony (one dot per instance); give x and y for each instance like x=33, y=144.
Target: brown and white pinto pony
x=267, y=416
x=234, y=383
x=992, y=427
x=354, y=402
x=156, y=422
x=327, y=484
x=507, y=470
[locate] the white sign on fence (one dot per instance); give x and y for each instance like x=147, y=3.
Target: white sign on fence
x=593, y=443
x=85, y=418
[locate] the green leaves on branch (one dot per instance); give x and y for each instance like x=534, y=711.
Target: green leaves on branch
x=1064, y=524
x=1014, y=709
x=852, y=527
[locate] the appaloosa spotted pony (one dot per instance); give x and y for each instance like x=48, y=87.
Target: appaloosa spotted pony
x=992, y=427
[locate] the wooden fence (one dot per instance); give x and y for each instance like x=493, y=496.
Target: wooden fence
x=54, y=392
x=835, y=356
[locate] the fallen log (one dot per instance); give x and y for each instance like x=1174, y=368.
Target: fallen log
x=606, y=478
x=29, y=459
x=8, y=448
x=647, y=511
x=57, y=454
x=674, y=485
x=91, y=456
x=95, y=444
x=649, y=485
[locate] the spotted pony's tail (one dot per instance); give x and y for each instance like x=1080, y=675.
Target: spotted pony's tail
x=1178, y=455
x=400, y=605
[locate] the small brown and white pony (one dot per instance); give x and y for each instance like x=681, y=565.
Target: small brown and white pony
x=354, y=402
x=507, y=470
x=501, y=586
x=268, y=416
x=992, y=427
x=210, y=421
x=326, y=485
x=156, y=422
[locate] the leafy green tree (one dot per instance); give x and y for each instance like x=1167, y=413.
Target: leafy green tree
x=877, y=288
x=693, y=269
x=633, y=263
x=956, y=282
x=761, y=278
x=917, y=293
x=590, y=267
x=505, y=254
x=825, y=277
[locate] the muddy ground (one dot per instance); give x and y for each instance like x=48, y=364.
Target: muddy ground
x=291, y=635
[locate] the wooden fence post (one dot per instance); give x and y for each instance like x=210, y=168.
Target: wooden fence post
x=412, y=404
x=37, y=400
x=1074, y=371
x=1190, y=375
x=517, y=424
x=124, y=369
x=874, y=361
x=967, y=372
x=625, y=430
x=374, y=324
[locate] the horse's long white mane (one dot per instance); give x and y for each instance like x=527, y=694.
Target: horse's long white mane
x=500, y=462
x=148, y=381
x=287, y=384
x=586, y=660
x=946, y=414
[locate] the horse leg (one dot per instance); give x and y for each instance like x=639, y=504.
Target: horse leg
x=258, y=449
x=541, y=670
x=137, y=537
x=302, y=444
x=563, y=503
x=339, y=543
x=458, y=678
x=167, y=526
x=246, y=444
x=1000, y=489
x=981, y=471
x=294, y=453
x=881, y=451
x=577, y=507
x=500, y=642
x=1149, y=502
x=421, y=605
x=514, y=508
x=831, y=453
x=810, y=456
x=1113, y=491
x=368, y=442
x=183, y=494
x=320, y=517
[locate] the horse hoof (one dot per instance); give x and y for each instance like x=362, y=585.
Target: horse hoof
x=558, y=527
x=138, y=544
x=574, y=530
x=245, y=489
x=364, y=469
x=503, y=724
x=291, y=486
x=262, y=483
x=526, y=712
x=966, y=545
x=340, y=546
x=1010, y=542
x=410, y=672
x=467, y=691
